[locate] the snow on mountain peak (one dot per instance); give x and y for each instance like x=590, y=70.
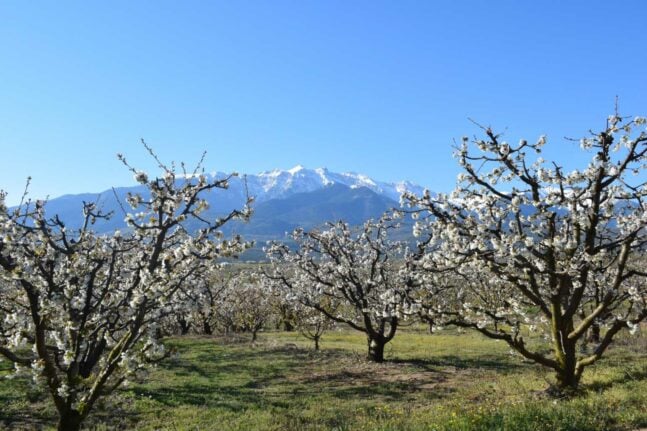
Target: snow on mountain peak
x=297, y=168
x=323, y=174
x=282, y=183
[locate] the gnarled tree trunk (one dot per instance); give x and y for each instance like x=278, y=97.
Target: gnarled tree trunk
x=69, y=421
x=376, y=349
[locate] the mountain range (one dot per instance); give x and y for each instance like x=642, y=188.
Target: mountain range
x=283, y=201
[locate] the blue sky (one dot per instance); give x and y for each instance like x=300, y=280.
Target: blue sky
x=378, y=87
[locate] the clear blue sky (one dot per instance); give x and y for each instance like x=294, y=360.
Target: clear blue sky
x=378, y=87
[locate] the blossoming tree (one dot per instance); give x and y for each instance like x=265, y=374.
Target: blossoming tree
x=531, y=248
x=354, y=278
x=200, y=302
x=312, y=323
x=79, y=310
x=246, y=301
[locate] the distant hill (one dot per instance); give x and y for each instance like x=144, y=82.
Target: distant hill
x=273, y=218
x=284, y=200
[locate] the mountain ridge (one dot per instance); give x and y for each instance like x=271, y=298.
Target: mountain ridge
x=284, y=200
x=277, y=182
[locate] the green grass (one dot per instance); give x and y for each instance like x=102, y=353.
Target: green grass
x=443, y=381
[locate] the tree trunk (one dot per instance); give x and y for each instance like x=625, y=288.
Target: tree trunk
x=565, y=349
x=567, y=377
x=69, y=421
x=288, y=326
x=567, y=380
x=206, y=327
x=316, y=339
x=594, y=333
x=254, y=331
x=376, y=350
x=184, y=326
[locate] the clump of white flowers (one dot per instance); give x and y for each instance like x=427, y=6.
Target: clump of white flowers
x=523, y=245
x=87, y=305
x=354, y=277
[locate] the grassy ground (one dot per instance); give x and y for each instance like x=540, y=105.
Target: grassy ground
x=440, y=382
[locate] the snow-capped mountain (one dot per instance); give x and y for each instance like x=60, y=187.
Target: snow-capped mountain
x=278, y=183
x=284, y=200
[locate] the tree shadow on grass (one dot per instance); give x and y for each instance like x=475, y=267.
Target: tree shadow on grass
x=346, y=384
x=25, y=420
x=233, y=398
x=236, y=380
x=276, y=377
x=395, y=391
x=23, y=406
x=273, y=361
x=440, y=363
x=37, y=412
x=626, y=377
